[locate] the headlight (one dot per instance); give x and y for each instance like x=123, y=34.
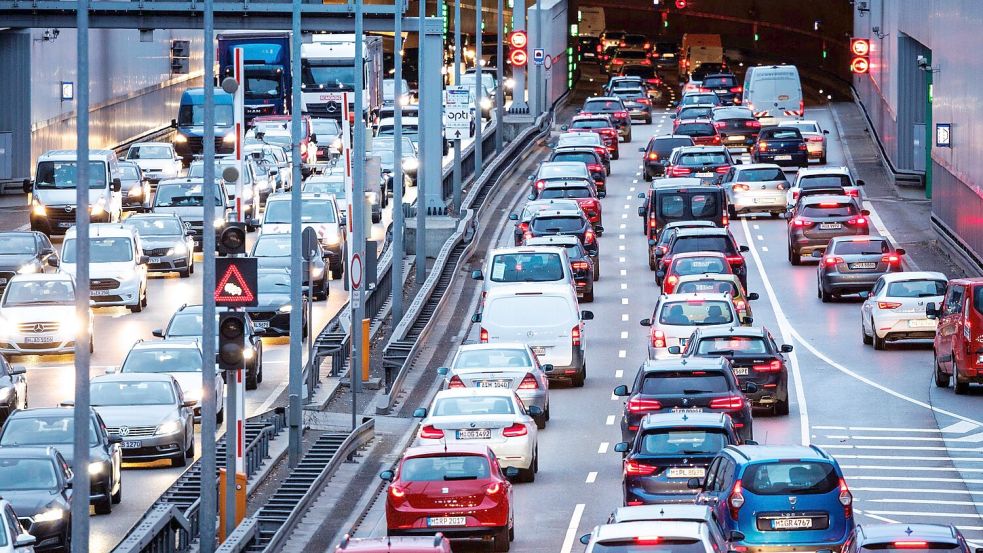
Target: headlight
x=27, y=269
x=4, y=393
x=5, y=327
x=285, y=308
x=135, y=192
x=219, y=223
x=180, y=249
x=169, y=427
x=337, y=144
x=50, y=515
x=97, y=208
x=372, y=197
x=410, y=164
x=404, y=100
x=193, y=393
x=248, y=354
x=331, y=238
x=180, y=139
x=96, y=468
x=39, y=209
x=69, y=327
x=486, y=103
x=229, y=138
x=510, y=83
x=316, y=272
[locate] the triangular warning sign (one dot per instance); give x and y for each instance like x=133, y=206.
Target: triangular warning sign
x=232, y=289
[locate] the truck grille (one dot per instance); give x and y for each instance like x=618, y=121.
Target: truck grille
x=330, y=110
x=103, y=284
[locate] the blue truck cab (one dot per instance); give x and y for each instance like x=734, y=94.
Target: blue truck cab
x=266, y=68
x=190, y=123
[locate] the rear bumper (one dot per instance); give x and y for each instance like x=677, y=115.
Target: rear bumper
x=898, y=327
x=796, y=158
x=758, y=201
x=849, y=283
x=636, y=494
x=576, y=367
x=792, y=548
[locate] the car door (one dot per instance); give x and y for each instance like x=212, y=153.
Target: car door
x=950, y=324
x=868, y=306
x=113, y=446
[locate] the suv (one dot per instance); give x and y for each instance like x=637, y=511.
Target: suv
x=318, y=211
x=549, y=170
x=656, y=153
x=250, y=178
x=581, y=190
x=959, y=340
x=816, y=220
x=184, y=198
x=567, y=221
x=701, y=131
x=166, y=243
x=680, y=199
x=823, y=178
x=613, y=107
x=712, y=240
x=117, y=266
x=778, y=498
x=708, y=163
x=588, y=156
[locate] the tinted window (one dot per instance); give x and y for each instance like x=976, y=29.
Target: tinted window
x=699, y=99
x=830, y=210
x=824, y=181
x=696, y=129
x=661, y=546
x=860, y=247
x=761, y=175
x=686, y=244
x=101, y=250
x=672, y=205
x=590, y=124
x=790, y=477
x=481, y=358
x=694, y=113
x=638, y=71
x=699, y=265
x=707, y=287
x=665, y=145
x=736, y=344
x=319, y=211
x=18, y=244
x=477, y=405
x=695, y=441
x=550, y=170
x=602, y=106
x=781, y=134
x=272, y=245
x=170, y=360
x=733, y=113
x=526, y=267
x=696, y=313
x=578, y=139
x=557, y=224
x=684, y=382
x=916, y=288
x=448, y=467
x=565, y=192
x=703, y=205
x=575, y=156
x=719, y=82
x=978, y=300
x=632, y=55
x=702, y=158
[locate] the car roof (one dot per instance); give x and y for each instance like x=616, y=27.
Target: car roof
x=754, y=453
x=43, y=412
x=528, y=248
x=702, y=231
x=685, y=364
x=674, y=420
x=716, y=332
x=130, y=377
x=689, y=149
x=827, y=170
x=690, y=255
x=715, y=296
x=562, y=164
x=287, y=196
x=690, y=224
x=493, y=346
x=749, y=166
x=913, y=275
x=675, y=182
x=666, y=529
x=610, y=98
x=474, y=392
x=877, y=533
x=671, y=137
x=590, y=117
x=859, y=238
x=108, y=230
x=166, y=344
x=673, y=511
x=544, y=204
x=563, y=182
x=559, y=212
x=825, y=198
x=575, y=148
x=152, y=215
x=450, y=448
x=165, y=144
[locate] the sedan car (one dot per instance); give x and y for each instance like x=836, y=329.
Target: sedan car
x=495, y=417
x=601, y=125
x=579, y=189
x=13, y=535
x=272, y=315
x=134, y=187
x=24, y=253
x=524, y=216
x=784, y=146
x=853, y=264
x=755, y=188
x=895, y=308
x=725, y=86
x=166, y=243
x=561, y=170
x=637, y=103
x=569, y=222
x=148, y=413
x=37, y=483
x=637, y=537
x=581, y=264
x=157, y=160
x=502, y=365
x=676, y=316
x=737, y=127
x=272, y=251
x=588, y=156
x=814, y=135
x=37, y=315
x=614, y=108
x=817, y=219
x=13, y=388
x=655, y=155
x=708, y=240
x=591, y=139
x=53, y=427
x=718, y=283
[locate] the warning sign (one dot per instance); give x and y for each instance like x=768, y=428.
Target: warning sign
x=236, y=282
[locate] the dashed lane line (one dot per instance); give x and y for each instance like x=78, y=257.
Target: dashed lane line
x=568, y=539
x=591, y=477
x=603, y=448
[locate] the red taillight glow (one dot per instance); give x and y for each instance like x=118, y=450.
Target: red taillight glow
x=575, y=336
x=800, y=222
x=723, y=168
x=540, y=184
x=846, y=499
x=677, y=171
x=397, y=492
x=483, y=336
x=753, y=124
x=430, y=433
x=737, y=89
x=643, y=540
x=803, y=147
x=658, y=339
x=643, y=101
x=735, y=259
x=579, y=266
x=888, y=305
x=891, y=259
x=596, y=167
x=741, y=188
x=523, y=227
x=621, y=114
x=831, y=260
x=529, y=383
x=736, y=500
x=634, y=468
x=730, y=403
x=852, y=192
x=515, y=431
x=740, y=305
x=910, y=545
x=857, y=221
x=493, y=489
x=773, y=367
x=670, y=284
x=589, y=237
x=642, y=405
x=653, y=156
x=815, y=139
x=720, y=125
x=455, y=382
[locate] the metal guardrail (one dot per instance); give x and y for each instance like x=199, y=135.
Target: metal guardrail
x=149, y=136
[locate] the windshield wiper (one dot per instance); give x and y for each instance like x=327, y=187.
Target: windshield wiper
x=469, y=477
x=721, y=352
x=689, y=391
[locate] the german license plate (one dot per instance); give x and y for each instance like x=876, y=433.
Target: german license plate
x=539, y=350
x=446, y=521
x=863, y=265
x=740, y=371
x=65, y=224
x=830, y=226
x=783, y=158
x=133, y=444
x=476, y=434
x=494, y=384
x=721, y=91
x=261, y=324
x=791, y=523
x=687, y=409
x=101, y=292
x=694, y=472
x=761, y=200
x=704, y=174
x=39, y=339
x=921, y=323
x=154, y=260
x=736, y=137
x=3, y=281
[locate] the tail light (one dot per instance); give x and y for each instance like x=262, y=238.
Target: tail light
x=642, y=405
x=677, y=171
x=803, y=147
x=653, y=156
x=540, y=184
x=891, y=259
x=523, y=227
x=652, y=224
x=859, y=220
x=831, y=261
x=596, y=167
x=704, y=89
x=802, y=107
x=618, y=62
x=846, y=499
x=741, y=188
x=729, y=403
x=762, y=146
x=736, y=500
x=526, y=236
x=723, y=168
x=647, y=45
x=609, y=131
x=621, y=114
x=579, y=266
x=397, y=492
x=529, y=383
x=483, y=336
x=773, y=367
x=800, y=222
x=643, y=101
x=888, y=305
x=795, y=195
x=575, y=336
x=670, y=284
x=653, y=81
x=658, y=339
x=599, y=49
x=493, y=489
x=911, y=545
x=740, y=305
x=645, y=61
x=589, y=237
x=779, y=186
x=815, y=139
x=428, y=432
x=725, y=219
x=455, y=382
x=515, y=430
x=634, y=468
x=720, y=125
x=622, y=44
x=737, y=89
x=715, y=139
x=753, y=124
x=601, y=150
x=853, y=192
x=735, y=259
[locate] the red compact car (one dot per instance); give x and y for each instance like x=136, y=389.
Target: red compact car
x=406, y=544
x=458, y=490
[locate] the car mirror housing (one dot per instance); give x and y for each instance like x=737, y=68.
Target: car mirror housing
x=534, y=411
x=645, y=322
x=387, y=475
x=188, y=403
x=585, y=539
x=694, y=484
x=420, y=413
x=443, y=371
x=586, y=315
x=753, y=296
x=621, y=447
x=18, y=369
x=476, y=275
x=674, y=350
x=900, y=251
x=751, y=388
x=476, y=318
x=547, y=367
x=621, y=390
x=743, y=249
x=787, y=348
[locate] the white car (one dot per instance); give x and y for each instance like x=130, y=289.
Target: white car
x=755, y=188
x=823, y=178
x=485, y=416
x=510, y=366
x=13, y=537
x=814, y=134
x=157, y=160
x=660, y=534
x=117, y=266
x=532, y=264
x=676, y=316
x=37, y=315
x=895, y=308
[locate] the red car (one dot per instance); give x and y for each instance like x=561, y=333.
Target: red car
x=599, y=124
x=959, y=338
x=458, y=490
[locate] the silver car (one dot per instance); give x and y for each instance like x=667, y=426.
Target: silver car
x=165, y=241
x=755, y=188
x=502, y=365
x=148, y=413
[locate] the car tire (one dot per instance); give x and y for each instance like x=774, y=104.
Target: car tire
x=941, y=379
x=540, y=421
x=653, y=264
x=179, y=460
x=578, y=379
x=647, y=176
x=190, y=452
x=616, y=154
x=597, y=269
x=185, y=273
x=823, y=295
x=588, y=296
x=794, y=258
x=500, y=539
x=879, y=343
x=732, y=212
x=528, y=475
x=66, y=540
x=118, y=496
x=781, y=407
x=191, y=264
x=252, y=380
x=648, y=120
x=863, y=334
x=628, y=138
x=104, y=506
x=961, y=388
x=137, y=307
x=822, y=160
x=775, y=214
x=337, y=270
x=547, y=414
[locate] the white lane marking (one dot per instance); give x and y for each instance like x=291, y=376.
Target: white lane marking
x=906, y=448
x=591, y=477
x=924, y=514
x=634, y=181
x=578, y=511
x=925, y=501
x=631, y=189
x=932, y=458
x=876, y=517
x=932, y=491
x=786, y=330
x=624, y=215
x=624, y=301
x=961, y=427
x=621, y=260
x=623, y=225
x=761, y=237
x=958, y=428
x=621, y=247
x=624, y=285
x=272, y=397
x=621, y=237
x=627, y=206
x=603, y=448
x=909, y=468
x=610, y=420
x=624, y=272
x=622, y=353
x=624, y=316
x=897, y=478
x=624, y=335
x=755, y=227
x=905, y=438
x=764, y=248
x=619, y=373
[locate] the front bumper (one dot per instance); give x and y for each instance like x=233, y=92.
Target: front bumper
x=57, y=220
x=275, y=323
x=16, y=344
x=791, y=547
x=168, y=263
x=49, y=535
x=127, y=293
x=154, y=448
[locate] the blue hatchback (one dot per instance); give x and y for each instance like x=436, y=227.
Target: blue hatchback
x=779, y=498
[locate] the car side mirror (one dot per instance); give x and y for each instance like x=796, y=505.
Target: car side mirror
x=111, y=370
x=586, y=315
x=443, y=371
x=189, y=233
x=476, y=275
x=158, y=333
x=18, y=369
x=621, y=447
x=694, y=484
x=144, y=260
x=746, y=321
x=642, y=149
x=753, y=296
x=585, y=539
x=599, y=229
x=931, y=311
x=547, y=367
x=661, y=275
x=674, y=350
x=117, y=185
x=641, y=195
x=736, y=535
x=738, y=162
x=621, y=390
x=900, y=251
x=529, y=177
x=387, y=475
x=189, y=403
x=534, y=411
x=743, y=249
x=67, y=403
x=672, y=116
x=641, y=211
x=27, y=185
x=645, y=322
x=865, y=212
x=817, y=254
x=860, y=182
x=513, y=216
x=174, y=122
x=420, y=413
x=53, y=262
x=786, y=348
x=114, y=439
x=476, y=318
x=564, y=127
x=825, y=131
x=531, y=197
x=750, y=388
x=24, y=540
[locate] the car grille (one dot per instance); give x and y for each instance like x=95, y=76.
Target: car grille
x=156, y=252
x=330, y=110
x=133, y=431
x=60, y=214
x=262, y=315
x=46, y=326
x=196, y=144
x=103, y=284
x=6, y=276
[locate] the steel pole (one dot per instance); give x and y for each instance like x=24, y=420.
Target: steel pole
x=457, y=82
x=519, y=104
x=539, y=100
x=357, y=207
x=231, y=445
x=80, y=467
x=397, y=209
x=478, y=90
x=296, y=373
x=500, y=79
x=421, y=175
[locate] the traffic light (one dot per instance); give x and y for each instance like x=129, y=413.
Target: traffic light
x=681, y=4
x=518, y=40
x=232, y=239
x=860, y=49
x=231, y=340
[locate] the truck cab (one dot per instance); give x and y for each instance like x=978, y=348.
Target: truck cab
x=191, y=120
x=266, y=64
x=52, y=193
x=327, y=72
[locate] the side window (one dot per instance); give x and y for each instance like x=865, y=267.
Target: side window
x=12, y=523
x=725, y=474
x=710, y=482
x=953, y=300
x=877, y=287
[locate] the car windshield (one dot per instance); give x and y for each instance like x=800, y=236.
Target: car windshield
x=27, y=474
x=696, y=129
x=707, y=287
x=472, y=406
x=526, y=267
x=978, y=300
x=325, y=128
x=638, y=71
x=720, y=81
x=824, y=181
x=790, y=478
x=327, y=75
x=550, y=170
x=590, y=124
x=682, y=441
x=761, y=175
x=726, y=345
x=492, y=358
x=18, y=244
x=684, y=383
x=390, y=130
x=155, y=226
x=602, y=106
x=179, y=195
x=262, y=86
x=102, y=250
x=311, y=211
x=53, y=175
x=916, y=288
x=831, y=209
x=131, y=392
x=320, y=186
x=163, y=360
x=691, y=99
x=31, y=431
x=274, y=283
x=194, y=115
x=557, y=192
x=272, y=245
x=686, y=244
x=557, y=224
x=700, y=265
x=696, y=313
x=129, y=172
x=185, y=324
x=278, y=139
x=150, y=152
x=860, y=247
x=197, y=171
x=445, y=467
x=35, y=292
x=585, y=157
x=628, y=93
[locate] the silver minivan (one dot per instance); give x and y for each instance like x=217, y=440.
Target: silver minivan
x=52, y=193
x=773, y=92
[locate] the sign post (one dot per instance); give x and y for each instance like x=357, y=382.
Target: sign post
x=457, y=113
x=238, y=105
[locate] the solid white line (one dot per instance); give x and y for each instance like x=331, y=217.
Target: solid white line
x=624, y=285
x=622, y=353
x=960, y=427
x=591, y=477
x=610, y=420
x=906, y=448
x=885, y=429
x=925, y=514
x=924, y=501
x=896, y=478
x=912, y=469
x=272, y=397
x=915, y=490
x=912, y=458
x=578, y=512
x=883, y=438
x=603, y=448
x=786, y=329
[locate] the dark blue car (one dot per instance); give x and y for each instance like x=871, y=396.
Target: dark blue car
x=783, y=146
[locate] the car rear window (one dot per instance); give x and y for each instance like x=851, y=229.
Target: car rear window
x=699, y=99
x=860, y=247
x=628, y=93
x=781, y=134
x=790, y=478
x=632, y=55
x=824, y=181
x=978, y=300
x=696, y=313
x=484, y=358
x=575, y=156
x=565, y=192
x=727, y=344
x=557, y=224
x=447, y=467
x=686, y=244
x=638, y=71
x=685, y=383
x=720, y=82
x=526, y=267
x=702, y=158
x=832, y=209
x=590, y=124
x=579, y=139
x=683, y=441
x=655, y=546
x=701, y=205
x=707, y=287
x=916, y=288
x=696, y=129
x=761, y=175
x=564, y=170
x=699, y=265
x=664, y=146
x=602, y=106
x=472, y=406
x=695, y=113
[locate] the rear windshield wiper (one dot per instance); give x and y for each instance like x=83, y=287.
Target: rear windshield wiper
x=721, y=352
x=689, y=391
x=468, y=477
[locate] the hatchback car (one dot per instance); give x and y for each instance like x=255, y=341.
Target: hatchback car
x=676, y=316
x=895, y=308
x=737, y=127
x=581, y=265
x=654, y=537
x=698, y=385
x=776, y=498
x=13, y=535
x=580, y=190
x=601, y=125
x=550, y=170
x=655, y=155
x=958, y=357
x=613, y=107
x=816, y=220
x=578, y=139
x=134, y=187
x=668, y=450
x=701, y=131
x=823, y=178
x=637, y=102
x=718, y=283
x=37, y=481
x=784, y=146
x=456, y=489
x=708, y=240
x=691, y=113
x=567, y=221
x=669, y=511
x=273, y=251
x=691, y=263
x=725, y=86
x=755, y=188
x=524, y=215
x=272, y=312
x=588, y=156
x=707, y=163
x=924, y=538
x=853, y=264
x=13, y=388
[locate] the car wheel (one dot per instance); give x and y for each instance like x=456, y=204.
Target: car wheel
x=338, y=270
x=179, y=460
x=822, y=160
x=648, y=120
x=547, y=415
x=597, y=268
x=589, y=296
x=648, y=177
x=104, y=506
x=732, y=212
x=775, y=214
x=143, y=300
x=118, y=496
x=941, y=379
x=540, y=421
x=879, y=343
x=793, y=257
x=863, y=333
x=191, y=264
x=184, y=273
x=190, y=452
x=616, y=154
x=823, y=296
x=500, y=540
x=252, y=381
x=578, y=379
x=781, y=406
x=961, y=388
x=628, y=138
x=66, y=540
x=137, y=307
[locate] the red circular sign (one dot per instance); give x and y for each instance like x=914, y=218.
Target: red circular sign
x=518, y=58
x=859, y=66
x=518, y=39
x=860, y=46
x=356, y=271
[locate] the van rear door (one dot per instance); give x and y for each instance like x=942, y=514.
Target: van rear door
x=544, y=321
x=687, y=204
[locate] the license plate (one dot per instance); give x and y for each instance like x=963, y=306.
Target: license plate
x=154, y=260
x=740, y=371
x=721, y=91
x=39, y=339
x=790, y=523
x=261, y=324
x=761, y=200
x=446, y=521
x=539, y=350
x=830, y=226
x=783, y=158
x=687, y=409
x=704, y=174
x=476, y=434
x=921, y=323
x=695, y=472
x=3, y=281
x=736, y=137
x=494, y=384
x=132, y=444
x=101, y=292
x=65, y=224
x=863, y=265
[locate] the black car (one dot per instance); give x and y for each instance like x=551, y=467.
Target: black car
x=566, y=221
x=611, y=106
x=272, y=251
x=668, y=450
x=781, y=145
x=682, y=199
x=273, y=312
x=23, y=252
x=660, y=246
x=135, y=189
x=737, y=127
x=587, y=155
x=581, y=265
x=708, y=240
x=13, y=388
x=655, y=155
x=725, y=86
x=696, y=385
x=588, y=47
x=37, y=483
x=54, y=427
x=637, y=103
x=754, y=356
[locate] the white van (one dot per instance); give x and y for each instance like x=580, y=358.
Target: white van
x=546, y=317
x=117, y=266
x=52, y=193
x=773, y=92
x=530, y=264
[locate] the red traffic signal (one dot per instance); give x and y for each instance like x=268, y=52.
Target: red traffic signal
x=860, y=46
x=681, y=4
x=860, y=65
x=517, y=52
x=518, y=39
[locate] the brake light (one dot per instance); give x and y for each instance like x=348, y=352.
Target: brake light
x=579, y=265
x=493, y=489
x=575, y=336
x=647, y=45
x=652, y=224
x=740, y=305
x=715, y=139
x=737, y=89
x=641, y=405
x=600, y=149
x=653, y=156
x=741, y=188
x=910, y=544
x=704, y=89
x=645, y=61
x=653, y=81
x=800, y=222
x=803, y=147
x=853, y=192
x=648, y=540
x=762, y=146
x=658, y=339
x=622, y=44
x=795, y=195
x=723, y=168
x=753, y=124
x=857, y=221
x=725, y=219
x=618, y=62
x=888, y=305
x=523, y=227
x=540, y=184
x=815, y=139
x=455, y=382
x=609, y=131
x=634, y=468
x=670, y=284
x=830, y=261
x=483, y=336
x=428, y=432
x=735, y=259
x=730, y=403
x=621, y=114
x=846, y=499
x=595, y=167
x=736, y=500
x=396, y=491
x=720, y=125
x=773, y=367
x=515, y=430
x=528, y=383
x=589, y=237
x=678, y=171
x=600, y=48
x=643, y=101
x=891, y=259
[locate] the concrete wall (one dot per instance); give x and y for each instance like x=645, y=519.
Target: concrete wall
x=948, y=32
x=555, y=39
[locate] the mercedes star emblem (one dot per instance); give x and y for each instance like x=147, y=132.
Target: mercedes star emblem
x=38, y=327
x=68, y=209
x=124, y=431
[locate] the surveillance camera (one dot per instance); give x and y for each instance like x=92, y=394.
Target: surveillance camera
x=922, y=62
